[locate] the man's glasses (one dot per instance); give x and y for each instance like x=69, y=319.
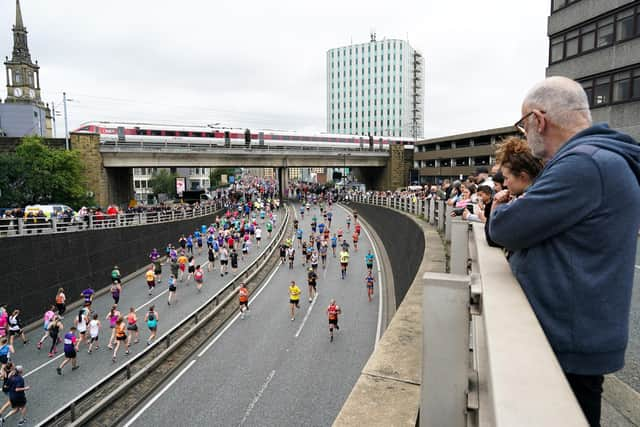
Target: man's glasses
x=520, y=123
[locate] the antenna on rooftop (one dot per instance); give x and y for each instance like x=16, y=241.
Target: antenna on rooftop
x=372, y=34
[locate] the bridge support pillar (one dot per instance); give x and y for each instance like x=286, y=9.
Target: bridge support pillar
x=283, y=183
x=108, y=185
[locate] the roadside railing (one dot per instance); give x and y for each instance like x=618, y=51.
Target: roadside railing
x=82, y=409
x=486, y=360
x=40, y=225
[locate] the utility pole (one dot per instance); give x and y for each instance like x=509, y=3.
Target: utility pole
x=53, y=116
x=66, y=122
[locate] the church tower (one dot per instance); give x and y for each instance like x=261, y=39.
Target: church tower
x=23, y=111
x=23, y=76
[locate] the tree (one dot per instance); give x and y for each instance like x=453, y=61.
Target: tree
x=163, y=182
x=216, y=174
x=37, y=174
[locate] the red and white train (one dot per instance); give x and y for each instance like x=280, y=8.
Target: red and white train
x=111, y=132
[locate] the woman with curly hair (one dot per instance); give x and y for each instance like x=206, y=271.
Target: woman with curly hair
x=518, y=165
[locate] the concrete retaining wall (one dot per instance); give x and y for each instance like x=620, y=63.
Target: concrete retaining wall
x=403, y=241
x=35, y=266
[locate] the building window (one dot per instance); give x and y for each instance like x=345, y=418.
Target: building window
x=601, y=92
x=622, y=86
x=624, y=25
x=605, y=32
x=571, y=44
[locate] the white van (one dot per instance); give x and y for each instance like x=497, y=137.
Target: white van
x=48, y=210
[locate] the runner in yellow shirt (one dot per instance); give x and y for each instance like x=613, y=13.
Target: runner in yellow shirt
x=182, y=262
x=151, y=278
x=294, y=298
x=344, y=262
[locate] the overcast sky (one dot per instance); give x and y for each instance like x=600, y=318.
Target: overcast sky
x=261, y=64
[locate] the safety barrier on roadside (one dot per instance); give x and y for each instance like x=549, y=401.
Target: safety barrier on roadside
x=38, y=225
x=148, y=365
x=486, y=360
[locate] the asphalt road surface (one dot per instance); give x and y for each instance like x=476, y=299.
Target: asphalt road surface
x=266, y=370
x=49, y=391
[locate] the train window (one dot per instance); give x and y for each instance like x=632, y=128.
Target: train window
x=155, y=132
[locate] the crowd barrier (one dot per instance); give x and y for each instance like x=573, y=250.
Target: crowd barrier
x=486, y=360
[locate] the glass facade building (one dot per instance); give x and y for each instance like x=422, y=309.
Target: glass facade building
x=375, y=88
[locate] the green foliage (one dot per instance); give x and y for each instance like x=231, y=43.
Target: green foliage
x=37, y=174
x=163, y=182
x=216, y=174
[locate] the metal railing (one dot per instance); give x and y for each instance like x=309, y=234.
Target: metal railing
x=486, y=360
x=81, y=409
x=170, y=145
x=40, y=225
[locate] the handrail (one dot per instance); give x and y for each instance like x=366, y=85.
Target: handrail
x=515, y=378
x=10, y=227
x=166, y=339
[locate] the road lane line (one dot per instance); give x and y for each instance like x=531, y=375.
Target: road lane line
x=306, y=316
x=159, y=394
x=253, y=297
x=255, y=399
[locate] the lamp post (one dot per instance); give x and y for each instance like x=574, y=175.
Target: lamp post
x=66, y=121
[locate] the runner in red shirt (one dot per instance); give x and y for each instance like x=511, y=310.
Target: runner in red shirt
x=332, y=312
x=243, y=296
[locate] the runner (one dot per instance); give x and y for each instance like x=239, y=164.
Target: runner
x=344, y=262
x=132, y=326
x=355, y=238
x=333, y=311
x=314, y=260
x=324, y=248
x=312, y=279
x=269, y=229
x=198, y=276
x=55, y=328
x=157, y=266
x=348, y=222
x=355, y=216
x=112, y=317
x=299, y=236
x=294, y=298
x=283, y=253
x=192, y=268
x=182, y=241
x=234, y=261
x=70, y=350
x=61, y=302
x=47, y=318
x=151, y=280
x=121, y=337
x=329, y=216
x=369, y=281
x=258, y=234
x=116, y=288
x=175, y=267
x=368, y=260
x=151, y=318
x=115, y=274
x=199, y=242
x=358, y=228
x=243, y=296
x=190, y=244
x=6, y=350
x=94, y=332
x=182, y=262
x=302, y=211
x=172, y=288
x=291, y=254
x=17, y=396
x=15, y=327
x=211, y=256
x=88, y=294
x=295, y=224
x=334, y=244
x=340, y=233
x=224, y=260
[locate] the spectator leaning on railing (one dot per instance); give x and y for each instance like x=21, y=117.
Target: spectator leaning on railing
x=574, y=250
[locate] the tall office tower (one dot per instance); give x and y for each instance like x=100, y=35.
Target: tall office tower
x=375, y=88
x=597, y=43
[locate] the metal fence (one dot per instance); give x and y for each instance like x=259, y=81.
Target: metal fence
x=39, y=225
x=486, y=360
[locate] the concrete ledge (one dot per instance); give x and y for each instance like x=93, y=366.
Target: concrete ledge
x=388, y=390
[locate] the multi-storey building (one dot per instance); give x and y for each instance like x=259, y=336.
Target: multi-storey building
x=197, y=179
x=375, y=88
x=597, y=43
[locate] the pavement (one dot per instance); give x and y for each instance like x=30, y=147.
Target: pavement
x=49, y=391
x=266, y=370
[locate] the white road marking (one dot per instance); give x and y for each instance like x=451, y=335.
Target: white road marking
x=306, y=316
x=255, y=399
x=159, y=394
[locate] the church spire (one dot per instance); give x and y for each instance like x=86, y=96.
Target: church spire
x=20, y=47
x=19, y=24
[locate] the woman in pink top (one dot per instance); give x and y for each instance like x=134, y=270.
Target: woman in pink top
x=48, y=316
x=4, y=321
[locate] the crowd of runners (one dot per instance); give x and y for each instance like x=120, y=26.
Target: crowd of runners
x=226, y=242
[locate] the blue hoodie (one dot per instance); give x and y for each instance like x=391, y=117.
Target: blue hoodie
x=573, y=236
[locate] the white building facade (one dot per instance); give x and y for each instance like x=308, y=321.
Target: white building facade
x=376, y=88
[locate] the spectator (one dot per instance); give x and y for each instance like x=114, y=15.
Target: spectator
x=573, y=237
x=482, y=176
x=518, y=165
x=498, y=182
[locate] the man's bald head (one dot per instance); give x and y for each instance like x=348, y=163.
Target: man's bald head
x=564, y=101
